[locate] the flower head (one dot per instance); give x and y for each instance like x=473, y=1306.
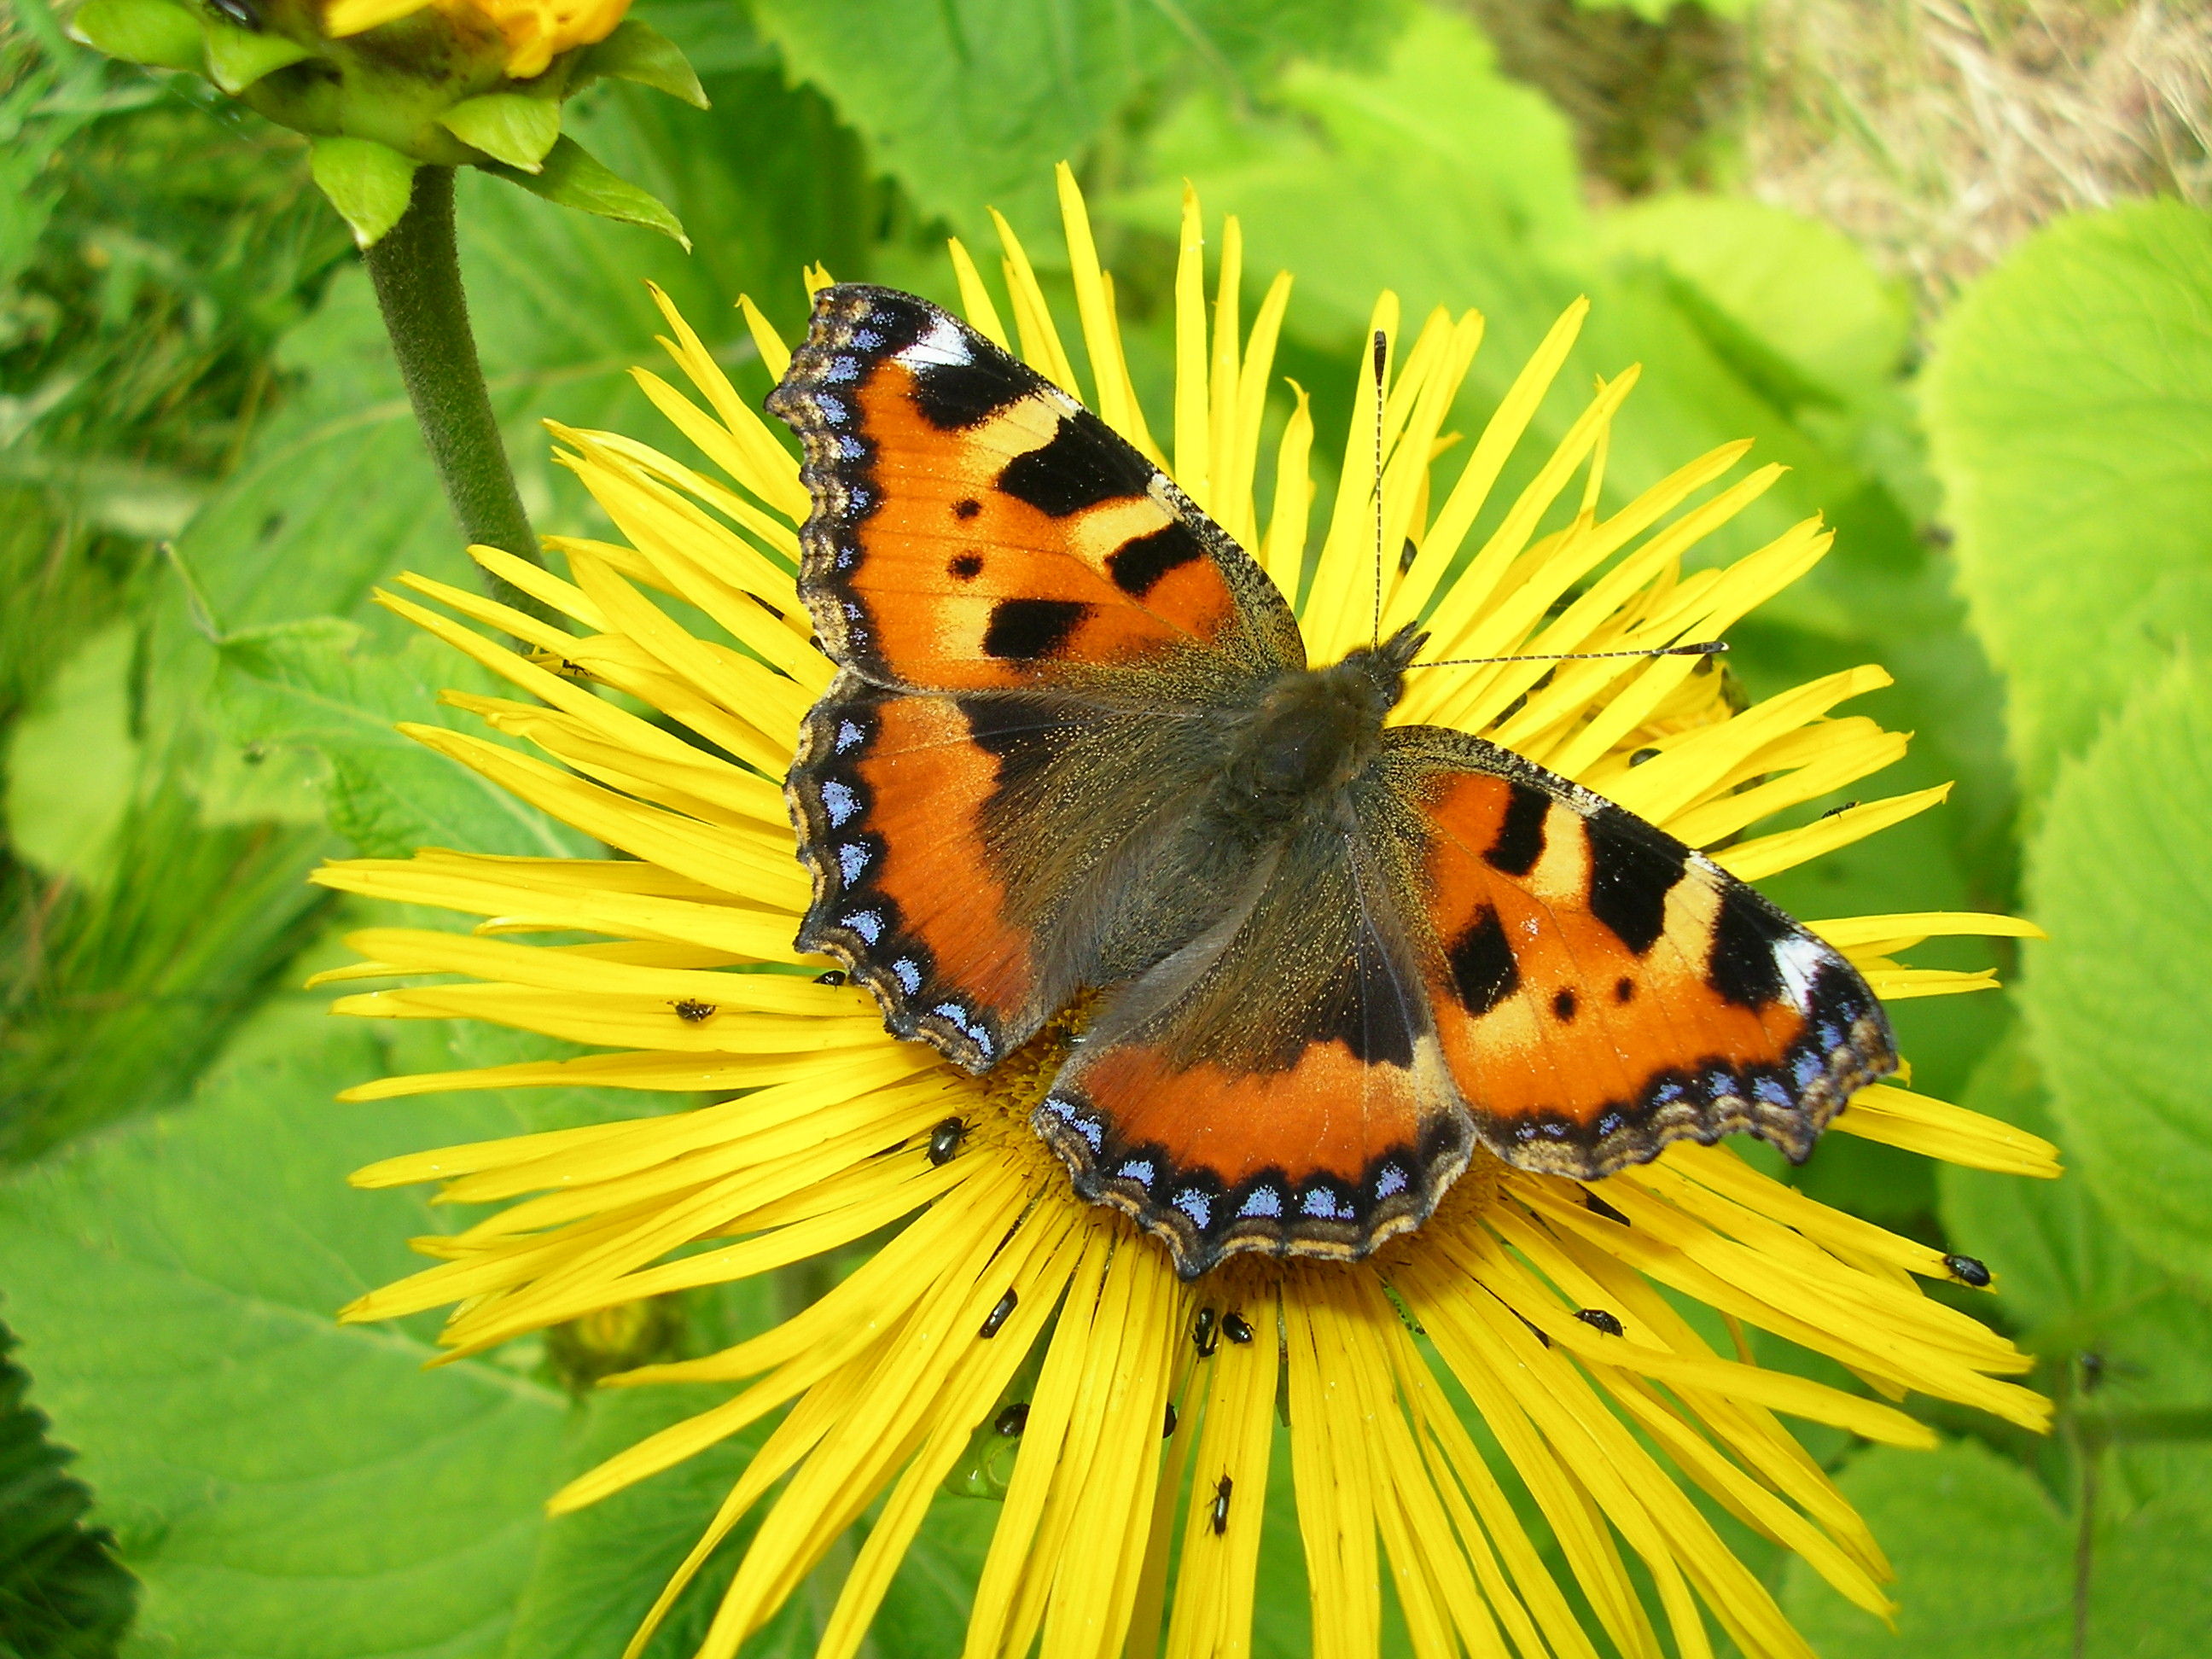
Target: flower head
x=1142, y=1409
x=535, y=31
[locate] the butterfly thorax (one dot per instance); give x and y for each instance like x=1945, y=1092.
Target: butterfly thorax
x=1311, y=731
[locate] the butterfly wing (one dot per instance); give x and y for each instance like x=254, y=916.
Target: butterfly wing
x=1278, y=1084
x=1599, y=989
x=975, y=528
x=1039, y=638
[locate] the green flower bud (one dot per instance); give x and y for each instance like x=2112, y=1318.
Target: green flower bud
x=385, y=86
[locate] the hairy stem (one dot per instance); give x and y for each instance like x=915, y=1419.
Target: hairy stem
x=417, y=269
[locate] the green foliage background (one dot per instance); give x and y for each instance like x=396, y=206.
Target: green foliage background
x=202, y=440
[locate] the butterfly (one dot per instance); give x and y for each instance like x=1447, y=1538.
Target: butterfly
x=1074, y=747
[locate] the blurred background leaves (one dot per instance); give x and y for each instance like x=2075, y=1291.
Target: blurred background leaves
x=1816, y=223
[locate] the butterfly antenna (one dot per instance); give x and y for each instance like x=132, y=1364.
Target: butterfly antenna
x=1702, y=648
x=1382, y=352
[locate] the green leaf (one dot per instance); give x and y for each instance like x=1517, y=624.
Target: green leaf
x=572, y=178
x=130, y=991
x=312, y=685
x=2069, y=406
x=513, y=127
x=152, y=32
x=61, y=1595
x=2131, y=1338
x=1985, y=1566
x=73, y=762
x=368, y=183
x=2118, y=996
x=281, y=1484
x=237, y=58
x=1796, y=285
x=638, y=52
x=969, y=106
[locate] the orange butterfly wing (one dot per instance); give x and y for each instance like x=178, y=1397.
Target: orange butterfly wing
x=1599, y=989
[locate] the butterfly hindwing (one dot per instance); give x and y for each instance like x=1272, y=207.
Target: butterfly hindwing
x=979, y=859
x=975, y=528
x=1599, y=989
x=1277, y=1086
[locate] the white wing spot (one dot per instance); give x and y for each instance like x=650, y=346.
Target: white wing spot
x=942, y=344
x=1800, y=959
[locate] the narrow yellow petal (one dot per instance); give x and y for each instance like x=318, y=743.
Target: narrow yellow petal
x=1237, y=459
x=1333, y=1483
x=1935, y=1128
x=1223, y=377
x=774, y=355
x=1041, y=344
x=754, y=936
x=1193, y=418
x=1471, y=492
x=1285, y=555
x=519, y=624
x=1769, y=855
x=974, y=298
x=1116, y=402
x=1885, y=935
x=1212, y=1611
x=1339, y=606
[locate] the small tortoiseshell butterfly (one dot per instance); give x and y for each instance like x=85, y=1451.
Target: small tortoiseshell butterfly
x=1074, y=746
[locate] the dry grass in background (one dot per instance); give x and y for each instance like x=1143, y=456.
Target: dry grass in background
x=1939, y=132
x=1936, y=133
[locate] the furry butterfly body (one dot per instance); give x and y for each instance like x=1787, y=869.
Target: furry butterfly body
x=1075, y=746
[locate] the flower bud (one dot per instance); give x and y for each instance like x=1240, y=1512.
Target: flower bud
x=385, y=86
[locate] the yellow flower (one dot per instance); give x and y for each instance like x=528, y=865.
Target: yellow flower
x=536, y=31
x=1547, y=1304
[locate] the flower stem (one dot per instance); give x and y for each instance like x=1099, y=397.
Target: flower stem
x=417, y=269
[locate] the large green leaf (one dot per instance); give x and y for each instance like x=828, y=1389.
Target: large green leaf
x=2130, y=1342
x=1986, y=1565
x=310, y=690
x=969, y=104
x=2119, y=998
x=279, y=1484
x=1800, y=287
x=2070, y=409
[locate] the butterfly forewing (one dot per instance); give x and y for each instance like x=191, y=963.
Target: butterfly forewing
x=975, y=528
